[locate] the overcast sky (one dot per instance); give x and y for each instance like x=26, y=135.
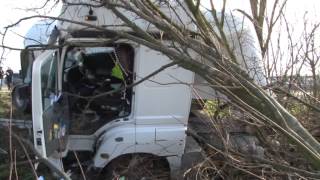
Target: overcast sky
x=10, y=12
x=13, y=10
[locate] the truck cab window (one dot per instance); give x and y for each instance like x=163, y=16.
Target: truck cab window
x=48, y=80
x=96, y=79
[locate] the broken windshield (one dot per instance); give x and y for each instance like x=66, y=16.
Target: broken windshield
x=93, y=71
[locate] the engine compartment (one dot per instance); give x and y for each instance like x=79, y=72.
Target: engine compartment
x=96, y=80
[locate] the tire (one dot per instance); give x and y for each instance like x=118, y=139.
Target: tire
x=138, y=167
x=21, y=98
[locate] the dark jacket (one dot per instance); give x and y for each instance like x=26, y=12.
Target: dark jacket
x=1, y=74
x=9, y=74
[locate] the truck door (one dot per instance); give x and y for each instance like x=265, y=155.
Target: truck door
x=50, y=107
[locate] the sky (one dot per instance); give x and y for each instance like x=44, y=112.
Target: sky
x=12, y=10
x=294, y=11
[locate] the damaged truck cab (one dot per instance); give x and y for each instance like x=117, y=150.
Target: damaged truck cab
x=79, y=105
x=88, y=96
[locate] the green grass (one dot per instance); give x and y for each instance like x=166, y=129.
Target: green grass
x=212, y=106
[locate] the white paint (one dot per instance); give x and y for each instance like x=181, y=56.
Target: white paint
x=37, y=109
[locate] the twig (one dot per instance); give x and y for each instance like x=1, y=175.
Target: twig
x=80, y=166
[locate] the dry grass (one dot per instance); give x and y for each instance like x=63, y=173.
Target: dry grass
x=5, y=104
x=23, y=168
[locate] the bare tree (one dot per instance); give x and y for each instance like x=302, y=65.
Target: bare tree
x=220, y=67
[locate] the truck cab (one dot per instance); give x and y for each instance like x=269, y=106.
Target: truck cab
x=79, y=104
x=95, y=96
x=91, y=93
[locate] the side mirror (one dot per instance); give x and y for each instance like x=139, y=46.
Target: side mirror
x=25, y=62
x=27, y=56
x=20, y=74
x=21, y=98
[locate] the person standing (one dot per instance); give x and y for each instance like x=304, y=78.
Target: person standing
x=9, y=74
x=1, y=77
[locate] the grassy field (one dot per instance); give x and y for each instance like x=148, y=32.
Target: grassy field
x=20, y=165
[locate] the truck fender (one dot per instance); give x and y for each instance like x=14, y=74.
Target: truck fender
x=122, y=140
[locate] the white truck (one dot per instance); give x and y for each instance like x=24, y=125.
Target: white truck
x=82, y=99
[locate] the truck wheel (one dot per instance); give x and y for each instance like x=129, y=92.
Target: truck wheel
x=21, y=98
x=138, y=167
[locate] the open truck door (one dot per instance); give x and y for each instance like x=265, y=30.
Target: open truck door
x=21, y=93
x=50, y=108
